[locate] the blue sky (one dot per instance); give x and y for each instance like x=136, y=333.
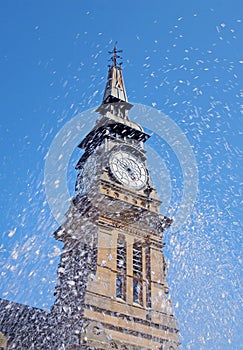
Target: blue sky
x=181, y=57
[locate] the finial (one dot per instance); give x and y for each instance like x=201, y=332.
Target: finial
x=115, y=56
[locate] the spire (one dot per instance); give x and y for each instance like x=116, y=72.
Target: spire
x=115, y=87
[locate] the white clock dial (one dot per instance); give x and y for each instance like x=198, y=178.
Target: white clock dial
x=128, y=169
x=86, y=175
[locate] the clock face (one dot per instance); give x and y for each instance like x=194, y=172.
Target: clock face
x=86, y=175
x=128, y=169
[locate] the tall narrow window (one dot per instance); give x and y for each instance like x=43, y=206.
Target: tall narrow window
x=148, y=275
x=137, y=273
x=121, y=266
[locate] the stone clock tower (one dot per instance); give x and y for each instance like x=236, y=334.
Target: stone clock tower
x=112, y=291
x=112, y=273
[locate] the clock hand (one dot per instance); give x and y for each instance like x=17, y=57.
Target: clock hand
x=123, y=165
x=131, y=172
x=128, y=169
x=132, y=169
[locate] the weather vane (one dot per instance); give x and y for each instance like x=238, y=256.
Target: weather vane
x=115, y=56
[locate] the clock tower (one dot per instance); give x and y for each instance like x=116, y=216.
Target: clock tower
x=112, y=291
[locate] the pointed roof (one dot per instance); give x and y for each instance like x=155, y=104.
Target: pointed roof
x=115, y=88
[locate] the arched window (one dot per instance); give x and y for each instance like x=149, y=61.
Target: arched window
x=137, y=273
x=121, y=266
